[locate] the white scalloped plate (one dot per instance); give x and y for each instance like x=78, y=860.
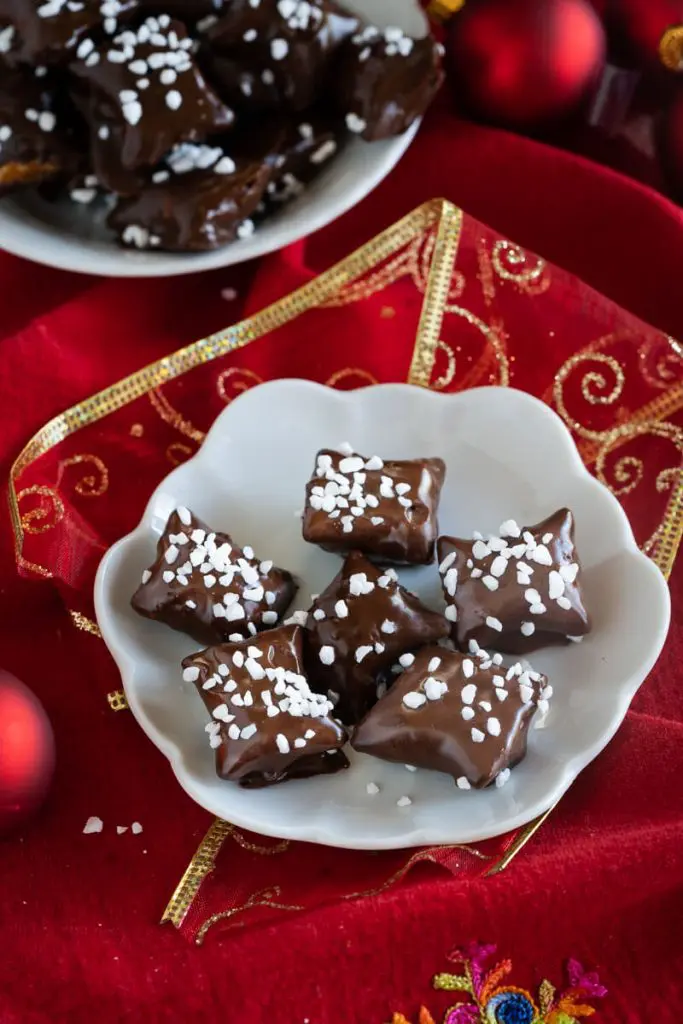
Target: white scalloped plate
x=63, y=235
x=508, y=456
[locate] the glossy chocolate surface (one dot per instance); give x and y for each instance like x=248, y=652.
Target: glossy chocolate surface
x=203, y=584
x=518, y=591
x=47, y=31
x=34, y=146
x=311, y=141
x=267, y=725
x=358, y=627
x=464, y=715
x=275, y=54
x=386, y=509
x=161, y=97
x=385, y=80
x=197, y=211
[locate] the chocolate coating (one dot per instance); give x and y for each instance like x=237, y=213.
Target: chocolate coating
x=47, y=31
x=224, y=590
x=205, y=195
x=420, y=720
x=175, y=104
x=360, y=624
x=389, y=513
x=385, y=81
x=34, y=145
x=526, y=583
x=239, y=683
x=276, y=54
x=311, y=140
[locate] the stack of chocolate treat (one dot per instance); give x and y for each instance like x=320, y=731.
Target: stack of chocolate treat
x=194, y=119
x=369, y=661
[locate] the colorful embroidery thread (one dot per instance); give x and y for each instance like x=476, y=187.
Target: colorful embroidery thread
x=490, y=1001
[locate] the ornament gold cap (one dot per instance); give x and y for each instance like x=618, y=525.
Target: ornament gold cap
x=671, y=48
x=442, y=10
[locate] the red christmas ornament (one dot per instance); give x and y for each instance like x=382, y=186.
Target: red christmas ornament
x=27, y=753
x=525, y=63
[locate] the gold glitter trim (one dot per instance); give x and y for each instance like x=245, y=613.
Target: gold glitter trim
x=262, y=898
x=671, y=48
x=310, y=295
x=436, y=296
x=84, y=623
x=199, y=867
x=527, y=833
x=670, y=533
x=117, y=700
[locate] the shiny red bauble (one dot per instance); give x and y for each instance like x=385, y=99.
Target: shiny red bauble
x=524, y=63
x=27, y=753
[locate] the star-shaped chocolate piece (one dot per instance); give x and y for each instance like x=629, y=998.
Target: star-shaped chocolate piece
x=386, y=509
x=358, y=628
x=160, y=96
x=203, y=584
x=266, y=723
x=385, y=80
x=462, y=714
x=517, y=591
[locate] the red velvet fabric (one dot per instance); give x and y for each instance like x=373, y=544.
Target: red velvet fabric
x=602, y=880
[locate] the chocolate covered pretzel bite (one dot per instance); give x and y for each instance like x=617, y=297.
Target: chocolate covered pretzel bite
x=517, y=591
x=463, y=714
x=203, y=584
x=358, y=627
x=266, y=725
x=386, y=509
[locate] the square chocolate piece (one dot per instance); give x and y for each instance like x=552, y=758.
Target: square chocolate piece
x=266, y=724
x=358, y=628
x=465, y=715
x=387, y=510
x=203, y=584
x=518, y=591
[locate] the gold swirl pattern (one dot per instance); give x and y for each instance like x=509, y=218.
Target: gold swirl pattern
x=352, y=377
x=41, y=519
x=88, y=486
x=660, y=369
x=168, y=414
x=178, y=452
x=511, y=263
x=240, y=380
x=448, y=376
x=595, y=388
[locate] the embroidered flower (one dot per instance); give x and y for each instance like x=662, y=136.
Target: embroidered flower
x=492, y=1002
